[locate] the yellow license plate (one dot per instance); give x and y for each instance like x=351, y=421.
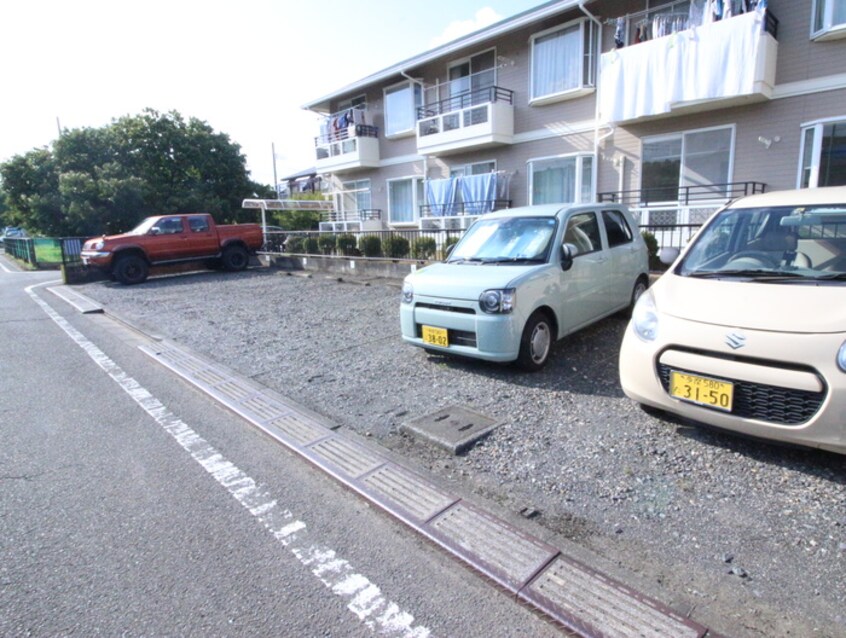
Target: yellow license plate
x=435, y=336
x=702, y=390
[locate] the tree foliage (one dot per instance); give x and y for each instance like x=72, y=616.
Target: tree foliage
x=107, y=179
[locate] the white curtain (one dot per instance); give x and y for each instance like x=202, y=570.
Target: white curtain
x=554, y=181
x=401, y=200
x=556, y=62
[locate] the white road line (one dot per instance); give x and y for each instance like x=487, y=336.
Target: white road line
x=363, y=598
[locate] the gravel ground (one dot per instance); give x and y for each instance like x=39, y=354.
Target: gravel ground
x=748, y=537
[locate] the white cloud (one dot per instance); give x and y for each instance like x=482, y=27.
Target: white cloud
x=484, y=17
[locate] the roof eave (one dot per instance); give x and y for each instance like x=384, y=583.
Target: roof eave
x=500, y=28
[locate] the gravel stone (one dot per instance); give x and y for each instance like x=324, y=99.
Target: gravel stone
x=656, y=497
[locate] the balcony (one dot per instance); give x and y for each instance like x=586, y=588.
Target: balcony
x=469, y=120
x=346, y=149
x=726, y=63
x=673, y=215
x=352, y=220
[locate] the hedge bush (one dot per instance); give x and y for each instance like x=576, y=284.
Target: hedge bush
x=311, y=247
x=396, y=247
x=425, y=248
x=294, y=245
x=652, y=249
x=371, y=246
x=327, y=244
x=346, y=244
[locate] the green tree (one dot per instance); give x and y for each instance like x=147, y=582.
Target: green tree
x=299, y=219
x=105, y=180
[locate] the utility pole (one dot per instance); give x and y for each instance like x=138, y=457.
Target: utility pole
x=275, y=180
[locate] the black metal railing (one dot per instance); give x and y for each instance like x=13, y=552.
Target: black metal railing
x=362, y=214
x=684, y=195
x=360, y=130
x=473, y=97
x=458, y=209
x=22, y=248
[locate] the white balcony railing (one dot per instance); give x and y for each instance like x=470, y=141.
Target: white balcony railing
x=469, y=120
x=356, y=146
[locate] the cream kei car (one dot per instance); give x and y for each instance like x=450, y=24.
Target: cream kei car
x=747, y=330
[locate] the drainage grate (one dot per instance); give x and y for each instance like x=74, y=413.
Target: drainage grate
x=509, y=556
x=575, y=596
x=454, y=428
x=402, y=489
x=595, y=605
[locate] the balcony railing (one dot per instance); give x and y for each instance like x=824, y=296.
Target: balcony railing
x=464, y=100
x=458, y=209
x=363, y=215
x=358, y=130
x=356, y=146
x=684, y=195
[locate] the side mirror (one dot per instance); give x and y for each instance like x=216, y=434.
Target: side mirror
x=155, y=230
x=668, y=255
x=568, y=251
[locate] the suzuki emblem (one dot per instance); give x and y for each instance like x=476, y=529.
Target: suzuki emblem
x=735, y=340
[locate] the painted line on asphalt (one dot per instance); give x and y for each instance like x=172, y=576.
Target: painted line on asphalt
x=364, y=599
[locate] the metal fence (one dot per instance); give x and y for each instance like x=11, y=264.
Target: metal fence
x=45, y=252
x=430, y=245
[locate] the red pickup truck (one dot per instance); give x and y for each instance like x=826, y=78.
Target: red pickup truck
x=170, y=239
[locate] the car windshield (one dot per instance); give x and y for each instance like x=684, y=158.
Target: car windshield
x=144, y=227
x=783, y=244
x=506, y=240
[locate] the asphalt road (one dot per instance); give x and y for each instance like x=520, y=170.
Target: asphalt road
x=110, y=524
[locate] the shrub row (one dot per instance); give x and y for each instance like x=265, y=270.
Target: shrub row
x=393, y=246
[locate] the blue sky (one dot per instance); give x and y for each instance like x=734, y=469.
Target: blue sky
x=244, y=67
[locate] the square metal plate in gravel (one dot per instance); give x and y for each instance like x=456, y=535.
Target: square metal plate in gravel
x=454, y=428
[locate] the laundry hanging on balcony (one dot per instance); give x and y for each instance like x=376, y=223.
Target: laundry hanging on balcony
x=468, y=194
x=714, y=61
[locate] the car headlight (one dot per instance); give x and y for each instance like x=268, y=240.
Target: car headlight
x=841, y=357
x=498, y=301
x=645, y=317
x=97, y=245
x=407, y=292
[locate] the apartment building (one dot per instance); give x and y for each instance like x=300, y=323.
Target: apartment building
x=672, y=107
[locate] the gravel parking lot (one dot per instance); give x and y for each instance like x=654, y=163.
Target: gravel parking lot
x=748, y=537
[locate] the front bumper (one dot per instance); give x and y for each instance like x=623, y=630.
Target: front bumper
x=788, y=386
x=471, y=332
x=98, y=258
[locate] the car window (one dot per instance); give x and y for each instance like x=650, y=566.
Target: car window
x=583, y=232
x=616, y=228
x=198, y=224
x=169, y=226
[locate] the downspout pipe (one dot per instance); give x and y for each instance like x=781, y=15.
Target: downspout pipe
x=597, y=139
x=425, y=157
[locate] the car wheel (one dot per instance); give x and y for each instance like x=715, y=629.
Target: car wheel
x=131, y=269
x=235, y=258
x=638, y=290
x=536, y=343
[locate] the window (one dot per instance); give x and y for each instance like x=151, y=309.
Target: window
x=479, y=168
x=353, y=197
x=404, y=198
x=700, y=160
x=565, y=180
x=401, y=102
x=472, y=75
x=616, y=228
x=829, y=20
x=168, y=226
x=563, y=62
x=359, y=101
x=198, y=224
x=823, y=155
x=583, y=233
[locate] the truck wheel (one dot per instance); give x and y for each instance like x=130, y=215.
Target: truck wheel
x=535, y=343
x=235, y=258
x=131, y=269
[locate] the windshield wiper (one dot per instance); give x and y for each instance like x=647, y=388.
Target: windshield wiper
x=831, y=276
x=465, y=260
x=754, y=273
x=514, y=260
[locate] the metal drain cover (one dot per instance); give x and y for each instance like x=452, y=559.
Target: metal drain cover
x=454, y=428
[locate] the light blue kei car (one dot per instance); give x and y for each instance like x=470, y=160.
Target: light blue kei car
x=520, y=279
